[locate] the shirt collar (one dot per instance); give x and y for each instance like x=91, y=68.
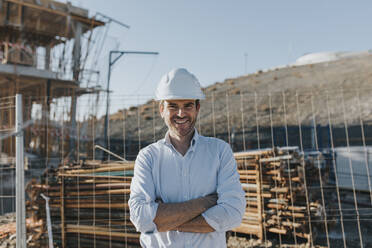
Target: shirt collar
x=193, y=142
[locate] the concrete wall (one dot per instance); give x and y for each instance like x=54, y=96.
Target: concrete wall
x=359, y=158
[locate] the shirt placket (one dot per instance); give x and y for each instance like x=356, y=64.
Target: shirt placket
x=185, y=179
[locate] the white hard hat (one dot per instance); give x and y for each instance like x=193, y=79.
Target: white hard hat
x=179, y=84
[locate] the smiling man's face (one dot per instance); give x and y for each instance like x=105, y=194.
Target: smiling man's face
x=180, y=116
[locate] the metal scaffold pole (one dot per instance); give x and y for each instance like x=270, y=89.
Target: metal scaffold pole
x=20, y=177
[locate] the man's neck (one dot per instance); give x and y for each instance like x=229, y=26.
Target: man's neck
x=181, y=143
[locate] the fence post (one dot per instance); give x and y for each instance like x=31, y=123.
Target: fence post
x=20, y=177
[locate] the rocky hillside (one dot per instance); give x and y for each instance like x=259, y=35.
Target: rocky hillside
x=336, y=93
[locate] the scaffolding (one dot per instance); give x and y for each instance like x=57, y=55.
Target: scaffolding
x=42, y=58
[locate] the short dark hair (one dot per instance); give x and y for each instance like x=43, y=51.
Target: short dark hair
x=197, y=102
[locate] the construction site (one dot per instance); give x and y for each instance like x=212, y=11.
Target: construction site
x=301, y=137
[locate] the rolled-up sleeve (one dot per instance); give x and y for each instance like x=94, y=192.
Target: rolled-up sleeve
x=142, y=203
x=230, y=208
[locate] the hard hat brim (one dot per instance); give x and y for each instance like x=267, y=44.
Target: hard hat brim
x=173, y=97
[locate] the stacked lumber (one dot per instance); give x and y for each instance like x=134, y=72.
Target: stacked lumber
x=280, y=199
x=88, y=206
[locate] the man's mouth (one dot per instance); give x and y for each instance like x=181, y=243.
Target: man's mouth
x=181, y=121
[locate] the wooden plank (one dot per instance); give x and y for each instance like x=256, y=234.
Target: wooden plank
x=253, y=153
x=248, y=229
x=85, y=20
x=247, y=177
x=279, y=190
x=291, y=224
x=278, y=158
x=103, y=169
x=260, y=205
x=62, y=197
x=277, y=230
x=98, y=231
x=291, y=214
x=273, y=172
x=247, y=172
x=92, y=176
x=89, y=205
x=264, y=194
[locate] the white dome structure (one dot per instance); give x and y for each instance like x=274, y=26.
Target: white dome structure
x=321, y=57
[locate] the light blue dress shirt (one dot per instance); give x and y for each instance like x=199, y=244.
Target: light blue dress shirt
x=162, y=172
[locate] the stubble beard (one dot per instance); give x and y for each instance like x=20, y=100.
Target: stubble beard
x=180, y=132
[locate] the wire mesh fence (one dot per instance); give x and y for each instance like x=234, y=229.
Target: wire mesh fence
x=303, y=159
x=7, y=151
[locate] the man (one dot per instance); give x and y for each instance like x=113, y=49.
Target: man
x=185, y=191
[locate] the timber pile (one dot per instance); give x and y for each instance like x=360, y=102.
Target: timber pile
x=282, y=192
x=88, y=206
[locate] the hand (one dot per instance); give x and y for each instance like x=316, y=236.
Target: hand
x=209, y=200
x=171, y=215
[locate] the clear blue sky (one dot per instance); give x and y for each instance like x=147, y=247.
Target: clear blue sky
x=210, y=38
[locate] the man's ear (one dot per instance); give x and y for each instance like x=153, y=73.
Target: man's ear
x=161, y=109
x=197, y=106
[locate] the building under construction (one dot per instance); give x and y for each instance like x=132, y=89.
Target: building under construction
x=46, y=53
x=42, y=58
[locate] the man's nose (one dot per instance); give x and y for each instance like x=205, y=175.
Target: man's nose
x=181, y=112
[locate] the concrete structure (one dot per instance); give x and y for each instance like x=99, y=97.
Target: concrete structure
x=29, y=31
x=359, y=158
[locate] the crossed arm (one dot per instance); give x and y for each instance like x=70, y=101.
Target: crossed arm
x=198, y=224
x=185, y=216
x=149, y=215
